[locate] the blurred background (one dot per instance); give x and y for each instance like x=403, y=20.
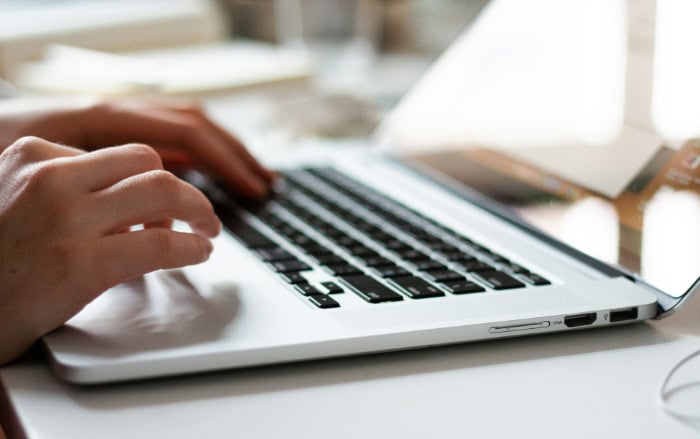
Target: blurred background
x=344, y=62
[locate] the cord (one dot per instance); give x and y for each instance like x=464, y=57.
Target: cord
x=665, y=393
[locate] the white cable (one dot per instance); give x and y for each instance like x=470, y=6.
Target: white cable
x=664, y=393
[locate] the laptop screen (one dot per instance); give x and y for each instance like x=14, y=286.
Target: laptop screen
x=581, y=117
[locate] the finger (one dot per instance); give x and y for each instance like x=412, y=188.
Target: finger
x=117, y=258
x=174, y=159
x=102, y=168
x=32, y=149
x=230, y=141
x=172, y=128
x=148, y=197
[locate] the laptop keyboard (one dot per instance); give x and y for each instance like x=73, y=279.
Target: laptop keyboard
x=366, y=243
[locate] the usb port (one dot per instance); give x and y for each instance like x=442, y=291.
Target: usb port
x=579, y=320
x=622, y=315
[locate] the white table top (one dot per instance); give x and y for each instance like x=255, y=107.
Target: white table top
x=599, y=383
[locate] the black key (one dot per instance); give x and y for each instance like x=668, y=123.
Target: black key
x=301, y=240
x=371, y=290
x=382, y=237
x=287, y=230
x=294, y=277
x=444, y=247
x=413, y=255
x=362, y=251
x=331, y=231
x=289, y=266
x=307, y=290
x=428, y=239
x=476, y=266
x=250, y=237
x=330, y=259
x=459, y=256
x=323, y=301
x=430, y=265
x=445, y=275
x=332, y=287
x=347, y=241
x=417, y=288
x=344, y=270
x=392, y=271
x=499, y=280
x=316, y=250
x=463, y=287
x=397, y=246
x=515, y=268
x=534, y=279
x=376, y=261
x=274, y=254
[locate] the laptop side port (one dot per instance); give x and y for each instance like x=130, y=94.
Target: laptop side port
x=622, y=315
x=579, y=320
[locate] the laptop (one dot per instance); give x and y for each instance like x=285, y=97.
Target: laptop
x=422, y=241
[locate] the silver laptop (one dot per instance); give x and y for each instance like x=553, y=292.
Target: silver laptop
x=472, y=234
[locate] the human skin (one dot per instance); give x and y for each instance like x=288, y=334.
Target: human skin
x=66, y=214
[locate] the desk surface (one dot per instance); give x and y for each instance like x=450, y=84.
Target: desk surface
x=599, y=383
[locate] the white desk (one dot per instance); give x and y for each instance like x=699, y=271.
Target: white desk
x=600, y=383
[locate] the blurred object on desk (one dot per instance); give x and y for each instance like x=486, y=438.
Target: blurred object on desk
x=188, y=70
x=27, y=27
x=423, y=26
x=341, y=36
x=325, y=117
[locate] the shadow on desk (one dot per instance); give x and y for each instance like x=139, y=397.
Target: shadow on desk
x=366, y=368
x=360, y=368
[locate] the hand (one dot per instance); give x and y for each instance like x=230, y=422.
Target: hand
x=180, y=131
x=65, y=218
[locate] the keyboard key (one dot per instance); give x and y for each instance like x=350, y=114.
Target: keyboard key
x=316, y=250
x=413, y=255
x=323, y=301
x=274, y=254
x=392, y=271
x=289, y=266
x=307, y=290
x=499, y=280
x=397, y=246
x=294, y=277
x=444, y=247
x=445, y=275
x=250, y=236
x=463, y=287
x=362, y=251
x=330, y=259
x=459, y=256
x=332, y=287
x=476, y=266
x=534, y=279
x=301, y=240
x=515, y=268
x=417, y=288
x=376, y=261
x=371, y=290
x=430, y=265
x=344, y=270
